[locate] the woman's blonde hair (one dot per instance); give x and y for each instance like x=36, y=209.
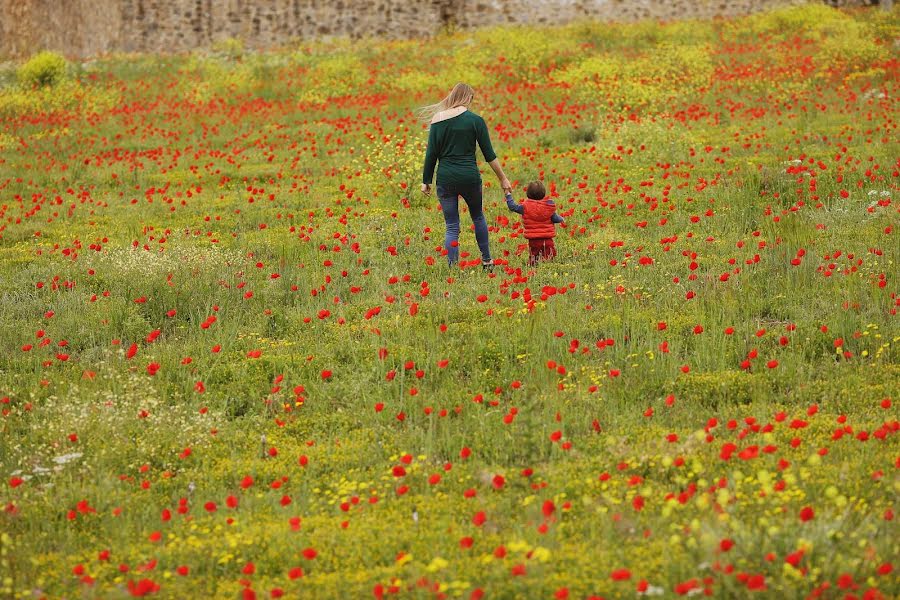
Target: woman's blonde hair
x=461, y=95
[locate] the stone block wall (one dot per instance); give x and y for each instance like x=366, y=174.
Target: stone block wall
x=84, y=28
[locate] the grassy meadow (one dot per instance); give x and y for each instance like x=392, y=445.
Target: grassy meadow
x=234, y=362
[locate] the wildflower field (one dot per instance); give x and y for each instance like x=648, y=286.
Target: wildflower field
x=234, y=362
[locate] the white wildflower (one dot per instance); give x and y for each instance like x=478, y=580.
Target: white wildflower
x=652, y=590
x=67, y=458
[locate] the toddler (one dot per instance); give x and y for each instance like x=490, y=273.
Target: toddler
x=539, y=218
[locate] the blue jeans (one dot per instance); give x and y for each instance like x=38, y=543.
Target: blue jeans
x=448, y=195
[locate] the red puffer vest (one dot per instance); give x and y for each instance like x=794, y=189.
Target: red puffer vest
x=536, y=218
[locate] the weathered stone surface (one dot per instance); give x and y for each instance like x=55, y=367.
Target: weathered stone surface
x=82, y=28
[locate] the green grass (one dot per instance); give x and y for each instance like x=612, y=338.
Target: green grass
x=278, y=193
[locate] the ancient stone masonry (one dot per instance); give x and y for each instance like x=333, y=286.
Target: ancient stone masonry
x=82, y=28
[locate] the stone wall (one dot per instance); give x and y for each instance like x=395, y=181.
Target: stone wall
x=82, y=28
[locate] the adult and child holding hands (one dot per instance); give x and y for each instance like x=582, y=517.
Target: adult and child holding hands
x=452, y=137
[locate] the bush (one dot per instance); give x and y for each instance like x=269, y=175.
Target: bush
x=715, y=389
x=340, y=74
x=230, y=48
x=43, y=69
x=856, y=50
x=652, y=79
x=811, y=20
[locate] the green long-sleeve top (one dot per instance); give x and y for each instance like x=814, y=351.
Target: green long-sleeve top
x=451, y=145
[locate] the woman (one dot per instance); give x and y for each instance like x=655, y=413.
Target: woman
x=452, y=136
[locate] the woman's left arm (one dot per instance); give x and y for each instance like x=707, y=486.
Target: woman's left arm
x=498, y=171
x=484, y=142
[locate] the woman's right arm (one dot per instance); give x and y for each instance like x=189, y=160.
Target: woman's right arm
x=430, y=161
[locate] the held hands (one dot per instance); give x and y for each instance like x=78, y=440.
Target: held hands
x=506, y=186
x=426, y=189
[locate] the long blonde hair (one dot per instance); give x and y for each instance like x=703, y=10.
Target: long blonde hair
x=461, y=95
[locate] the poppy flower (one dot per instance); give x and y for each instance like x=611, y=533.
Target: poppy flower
x=686, y=587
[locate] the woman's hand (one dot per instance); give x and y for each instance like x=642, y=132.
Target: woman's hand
x=501, y=176
x=426, y=189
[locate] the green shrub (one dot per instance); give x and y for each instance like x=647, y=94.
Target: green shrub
x=230, y=48
x=715, y=389
x=43, y=69
x=651, y=79
x=854, y=51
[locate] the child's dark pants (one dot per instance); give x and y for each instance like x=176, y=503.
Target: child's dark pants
x=540, y=249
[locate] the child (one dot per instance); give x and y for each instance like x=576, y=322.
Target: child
x=539, y=217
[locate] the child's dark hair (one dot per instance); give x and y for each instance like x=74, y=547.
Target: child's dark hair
x=536, y=190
